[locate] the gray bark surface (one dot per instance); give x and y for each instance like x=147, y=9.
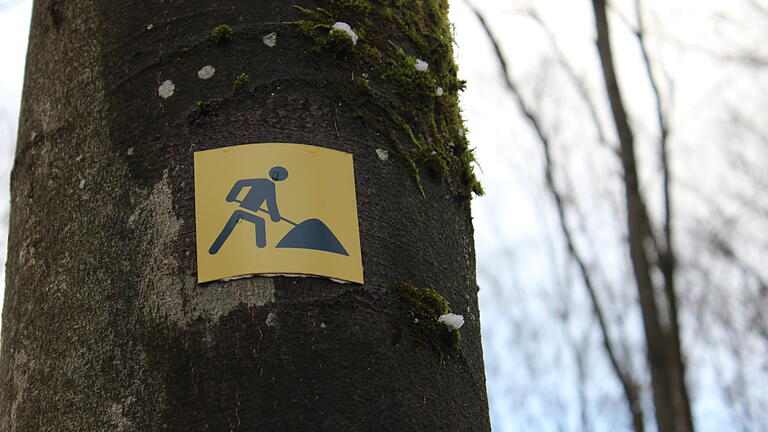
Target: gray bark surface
x=104, y=325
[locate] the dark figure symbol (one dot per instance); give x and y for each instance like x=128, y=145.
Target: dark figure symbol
x=310, y=234
x=261, y=190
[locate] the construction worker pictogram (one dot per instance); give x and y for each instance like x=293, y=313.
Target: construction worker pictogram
x=312, y=182
x=310, y=234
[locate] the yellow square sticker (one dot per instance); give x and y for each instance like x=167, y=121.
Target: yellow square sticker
x=276, y=209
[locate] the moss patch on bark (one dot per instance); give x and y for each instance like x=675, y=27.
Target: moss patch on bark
x=402, y=64
x=222, y=34
x=425, y=305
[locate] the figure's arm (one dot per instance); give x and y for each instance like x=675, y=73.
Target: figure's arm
x=274, y=213
x=237, y=187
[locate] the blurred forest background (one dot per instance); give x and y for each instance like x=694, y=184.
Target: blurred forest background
x=624, y=230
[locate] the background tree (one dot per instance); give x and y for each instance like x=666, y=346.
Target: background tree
x=626, y=163
x=104, y=326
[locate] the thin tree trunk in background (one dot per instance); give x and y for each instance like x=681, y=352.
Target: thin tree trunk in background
x=620, y=368
x=104, y=325
x=670, y=395
x=667, y=257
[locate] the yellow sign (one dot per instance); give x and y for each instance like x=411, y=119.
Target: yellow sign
x=276, y=209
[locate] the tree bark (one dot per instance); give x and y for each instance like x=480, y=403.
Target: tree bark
x=104, y=325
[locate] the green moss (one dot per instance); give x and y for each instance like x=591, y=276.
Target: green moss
x=470, y=179
x=337, y=43
x=425, y=305
x=411, y=81
x=381, y=116
x=206, y=107
x=357, y=7
x=241, y=81
x=426, y=129
x=203, y=109
x=222, y=34
x=326, y=39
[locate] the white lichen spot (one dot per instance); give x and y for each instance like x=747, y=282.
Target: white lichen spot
x=439, y=91
x=271, y=319
x=270, y=40
x=421, y=65
x=82, y=183
x=166, y=89
x=206, y=72
x=150, y=26
x=383, y=154
x=452, y=320
x=344, y=27
x=130, y=151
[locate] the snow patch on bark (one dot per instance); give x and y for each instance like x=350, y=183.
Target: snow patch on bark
x=452, y=320
x=345, y=28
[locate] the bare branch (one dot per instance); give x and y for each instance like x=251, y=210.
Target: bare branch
x=578, y=82
x=758, y=7
x=629, y=385
x=661, y=119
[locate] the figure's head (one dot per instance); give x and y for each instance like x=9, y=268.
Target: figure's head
x=278, y=173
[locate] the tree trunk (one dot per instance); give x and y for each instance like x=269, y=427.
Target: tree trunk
x=105, y=327
x=670, y=395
